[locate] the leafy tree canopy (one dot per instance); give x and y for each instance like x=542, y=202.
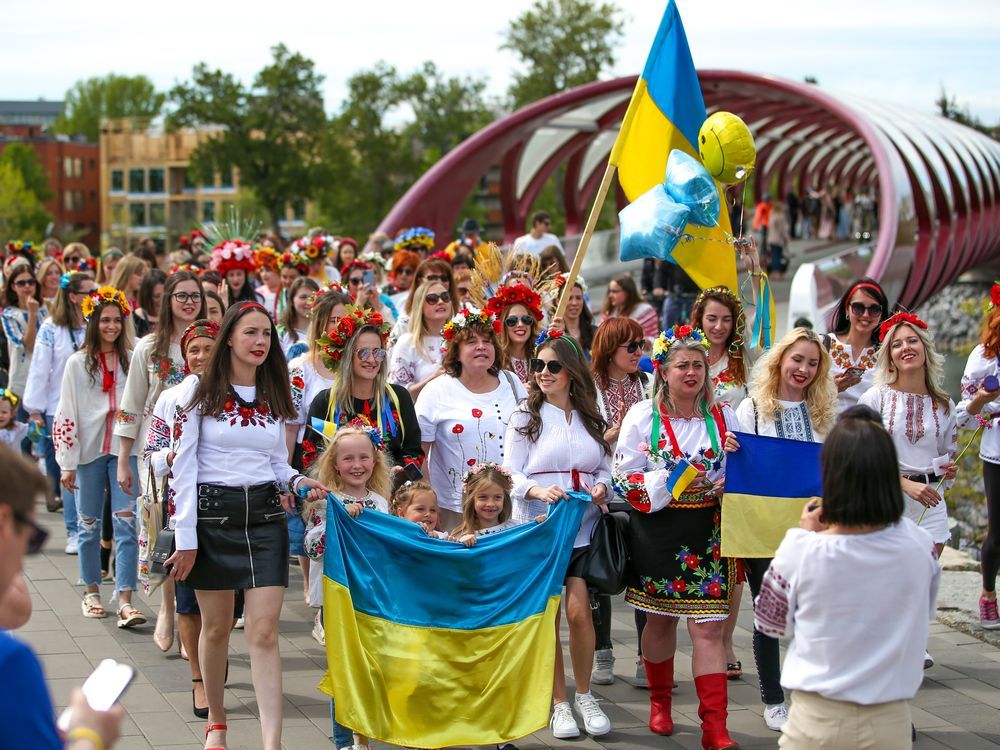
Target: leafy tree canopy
x=110, y=97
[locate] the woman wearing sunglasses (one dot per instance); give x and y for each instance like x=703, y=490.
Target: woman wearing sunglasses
x=555, y=443
x=519, y=310
x=417, y=356
x=853, y=344
x=23, y=314
x=430, y=269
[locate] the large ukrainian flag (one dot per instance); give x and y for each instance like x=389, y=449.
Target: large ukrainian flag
x=768, y=480
x=430, y=644
x=666, y=112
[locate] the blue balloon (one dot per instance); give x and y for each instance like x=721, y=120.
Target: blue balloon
x=651, y=226
x=690, y=184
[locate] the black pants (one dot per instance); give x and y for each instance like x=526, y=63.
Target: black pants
x=765, y=648
x=602, y=623
x=990, y=554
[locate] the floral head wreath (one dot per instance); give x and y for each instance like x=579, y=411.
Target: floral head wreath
x=553, y=334
x=740, y=324
x=294, y=258
x=561, y=278
x=103, y=296
x=356, y=263
x=315, y=247
x=899, y=319
x=8, y=395
x=362, y=424
x=331, y=345
x=418, y=237
x=24, y=249
x=466, y=317
x=673, y=336
x=484, y=466
x=333, y=286
x=994, y=295
x=233, y=255
x=508, y=296
x=196, y=270
x=266, y=257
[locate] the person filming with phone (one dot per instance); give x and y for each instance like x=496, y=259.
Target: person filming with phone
x=26, y=708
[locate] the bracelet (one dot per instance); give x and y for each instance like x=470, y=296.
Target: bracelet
x=84, y=733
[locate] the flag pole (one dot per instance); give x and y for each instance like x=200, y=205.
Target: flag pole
x=588, y=232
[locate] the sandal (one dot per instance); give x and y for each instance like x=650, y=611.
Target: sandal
x=92, y=606
x=734, y=670
x=215, y=728
x=129, y=616
x=200, y=711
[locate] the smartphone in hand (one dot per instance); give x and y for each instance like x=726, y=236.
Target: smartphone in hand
x=102, y=689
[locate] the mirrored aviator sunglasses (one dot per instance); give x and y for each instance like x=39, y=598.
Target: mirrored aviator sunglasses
x=38, y=535
x=367, y=353
x=539, y=365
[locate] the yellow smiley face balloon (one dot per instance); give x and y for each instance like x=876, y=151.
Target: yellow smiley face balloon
x=726, y=147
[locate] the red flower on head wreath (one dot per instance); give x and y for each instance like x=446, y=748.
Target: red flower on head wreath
x=897, y=319
x=508, y=296
x=332, y=344
x=995, y=295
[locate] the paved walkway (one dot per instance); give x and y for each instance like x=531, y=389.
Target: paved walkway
x=956, y=708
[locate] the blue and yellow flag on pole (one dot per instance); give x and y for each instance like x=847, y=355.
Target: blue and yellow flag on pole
x=431, y=644
x=768, y=480
x=666, y=112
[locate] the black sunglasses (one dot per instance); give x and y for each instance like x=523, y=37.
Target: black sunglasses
x=859, y=309
x=435, y=298
x=513, y=320
x=25, y=282
x=631, y=347
x=357, y=281
x=435, y=277
x=539, y=365
x=38, y=535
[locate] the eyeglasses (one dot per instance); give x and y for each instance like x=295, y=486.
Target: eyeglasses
x=367, y=352
x=435, y=277
x=404, y=271
x=539, y=365
x=859, y=309
x=38, y=535
x=435, y=298
x=185, y=297
x=631, y=347
x=357, y=281
x=21, y=283
x=71, y=261
x=513, y=320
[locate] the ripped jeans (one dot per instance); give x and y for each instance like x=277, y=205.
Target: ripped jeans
x=93, y=479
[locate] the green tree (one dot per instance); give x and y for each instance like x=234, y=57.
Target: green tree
x=949, y=107
x=22, y=215
x=271, y=131
x=24, y=159
x=110, y=97
x=561, y=44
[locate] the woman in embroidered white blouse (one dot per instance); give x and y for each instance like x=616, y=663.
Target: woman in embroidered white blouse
x=417, y=356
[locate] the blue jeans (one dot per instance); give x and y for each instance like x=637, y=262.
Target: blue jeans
x=93, y=480
x=55, y=474
x=342, y=736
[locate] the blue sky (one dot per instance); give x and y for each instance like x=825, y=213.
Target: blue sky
x=895, y=50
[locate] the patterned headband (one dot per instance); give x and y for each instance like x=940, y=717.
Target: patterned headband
x=202, y=328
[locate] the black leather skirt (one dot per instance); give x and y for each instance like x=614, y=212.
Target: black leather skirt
x=242, y=539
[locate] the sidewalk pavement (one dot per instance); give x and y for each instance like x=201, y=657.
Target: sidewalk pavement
x=957, y=707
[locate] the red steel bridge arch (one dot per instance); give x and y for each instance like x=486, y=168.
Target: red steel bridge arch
x=937, y=182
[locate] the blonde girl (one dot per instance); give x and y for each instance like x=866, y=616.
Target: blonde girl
x=128, y=277
x=417, y=502
x=486, y=504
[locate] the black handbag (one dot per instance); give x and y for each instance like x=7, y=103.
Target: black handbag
x=606, y=566
x=163, y=549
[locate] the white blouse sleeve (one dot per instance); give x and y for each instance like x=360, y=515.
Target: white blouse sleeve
x=283, y=472
x=157, y=446
x=645, y=490
x=35, y=397
x=184, y=475
x=403, y=366
x=745, y=416
x=774, y=608
x=133, y=405
x=66, y=425
x=948, y=442
x=976, y=368
x=515, y=457
x=296, y=378
x=426, y=407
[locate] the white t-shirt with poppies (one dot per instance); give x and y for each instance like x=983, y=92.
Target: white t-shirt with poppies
x=466, y=428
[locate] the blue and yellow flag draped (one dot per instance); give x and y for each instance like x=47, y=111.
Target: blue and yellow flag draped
x=666, y=112
x=768, y=480
x=431, y=644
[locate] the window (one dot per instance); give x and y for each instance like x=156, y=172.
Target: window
x=117, y=180
x=67, y=200
x=156, y=181
x=299, y=210
x=157, y=214
x=137, y=214
x=77, y=200
x=117, y=214
x=226, y=179
x=68, y=167
x=208, y=211
x=78, y=167
x=136, y=181
x=91, y=164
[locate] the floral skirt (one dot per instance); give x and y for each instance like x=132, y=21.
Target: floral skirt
x=678, y=569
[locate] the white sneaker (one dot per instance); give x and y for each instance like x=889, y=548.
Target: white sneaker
x=72, y=545
x=595, y=721
x=775, y=716
x=241, y=623
x=604, y=666
x=928, y=660
x=319, y=632
x=562, y=723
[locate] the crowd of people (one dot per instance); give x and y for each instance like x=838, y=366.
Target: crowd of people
x=240, y=382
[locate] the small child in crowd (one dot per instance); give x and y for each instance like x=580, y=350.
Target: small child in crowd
x=417, y=502
x=486, y=504
x=12, y=432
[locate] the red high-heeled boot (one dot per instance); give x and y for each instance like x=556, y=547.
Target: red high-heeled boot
x=660, y=680
x=712, y=702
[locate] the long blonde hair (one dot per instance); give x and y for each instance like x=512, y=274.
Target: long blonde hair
x=418, y=326
x=325, y=468
x=886, y=374
x=661, y=392
x=820, y=395
x=127, y=267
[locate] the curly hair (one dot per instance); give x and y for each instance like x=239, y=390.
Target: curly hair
x=504, y=337
x=820, y=394
x=734, y=342
x=991, y=333
x=407, y=493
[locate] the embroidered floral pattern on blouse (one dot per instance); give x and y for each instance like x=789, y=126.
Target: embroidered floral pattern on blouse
x=771, y=607
x=794, y=423
x=520, y=368
x=167, y=370
x=842, y=356
x=309, y=453
x=298, y=383
x=126, y=417
x=256, y=415
x=64, y=433
x=157, y=438
x=620, y=396
x=913, y=416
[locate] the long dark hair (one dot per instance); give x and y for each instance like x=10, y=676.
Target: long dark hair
x=288, y=315
x=632, y=298
x=246, y=294
x=144, y=297
x=734, y=342
x=92, y=342
x=10, y=293
x=165, y=323
x=271, y=377
x=582, y=394
x=840, y=321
